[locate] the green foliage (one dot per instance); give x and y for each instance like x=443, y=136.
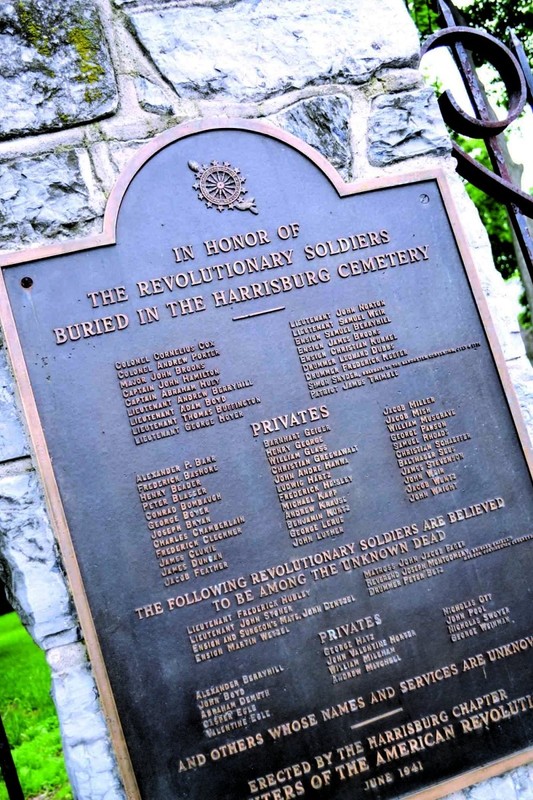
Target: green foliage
x=494, y=16
x=29, y=715
x=496, y=221
x=524, y=318
x=492, y=212
x=425, y=16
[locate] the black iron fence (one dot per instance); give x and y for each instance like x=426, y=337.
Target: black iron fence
x=7, y=767
x=513, y=68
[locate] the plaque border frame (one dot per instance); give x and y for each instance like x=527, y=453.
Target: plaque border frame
x=41, y=455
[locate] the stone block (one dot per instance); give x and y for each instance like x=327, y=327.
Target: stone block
x=404, y=125
x=151, y=97
x=523, y=782
x=55, y=67
x=399, y=80
x=500, y=300
x=88, y=756
x=121, y=153
x=47, y=197
x=251, y=50
x=29, y=563
x=324, y=123
x=500, y=788
x=13, y=443
x=522, y=378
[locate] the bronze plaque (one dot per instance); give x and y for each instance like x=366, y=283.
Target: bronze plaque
x=286, y=474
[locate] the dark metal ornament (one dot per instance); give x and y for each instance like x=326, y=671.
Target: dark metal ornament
x=221, y=186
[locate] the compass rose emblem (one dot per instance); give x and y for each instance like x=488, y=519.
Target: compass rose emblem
x=221, y=186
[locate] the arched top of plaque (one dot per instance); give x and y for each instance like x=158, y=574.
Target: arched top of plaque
x=197, y=127
x=218, y=184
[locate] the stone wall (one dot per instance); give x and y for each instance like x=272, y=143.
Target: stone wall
x=83, y=83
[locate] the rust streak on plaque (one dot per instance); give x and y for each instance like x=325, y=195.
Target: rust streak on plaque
x=260, y=313
x=376, y=719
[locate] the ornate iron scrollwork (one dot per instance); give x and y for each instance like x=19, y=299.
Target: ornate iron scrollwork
x=516, y=76
x=483, y=126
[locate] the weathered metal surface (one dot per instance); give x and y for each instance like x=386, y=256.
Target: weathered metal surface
x=291, y=493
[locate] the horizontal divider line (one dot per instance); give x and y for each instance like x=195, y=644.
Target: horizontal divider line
x=260, y=313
